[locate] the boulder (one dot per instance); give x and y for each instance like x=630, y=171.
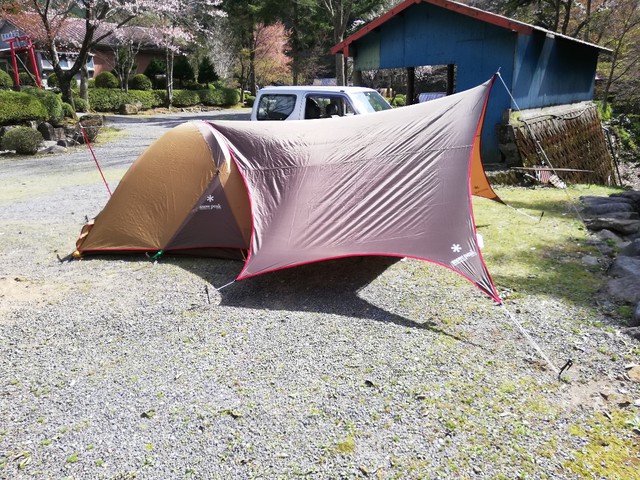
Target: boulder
x=625, y=284
x=624, y=227
x=635, y=319
x=606, y=208
x=606, y=235
x=631, y=250
x=591, y=200
x=46, y=130
x=632, y=332
x=52, y=150
x=633, y=195
x=128, y=109
x=91, y=124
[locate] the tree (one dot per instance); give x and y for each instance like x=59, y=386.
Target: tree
x=272, y=65
x=206, y=71
x=100, y=18
x=342, y=13
x=182, y=70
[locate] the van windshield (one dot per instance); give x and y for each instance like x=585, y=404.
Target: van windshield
x=369, y=102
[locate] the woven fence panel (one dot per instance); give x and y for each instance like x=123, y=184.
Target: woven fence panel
x=573, y=140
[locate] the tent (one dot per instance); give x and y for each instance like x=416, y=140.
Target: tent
x=281, y=194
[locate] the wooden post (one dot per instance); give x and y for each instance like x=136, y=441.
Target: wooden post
x=357, y=78
x=450, y=78
x=411, y=85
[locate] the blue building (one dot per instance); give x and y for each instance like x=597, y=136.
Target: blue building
x=541, y=68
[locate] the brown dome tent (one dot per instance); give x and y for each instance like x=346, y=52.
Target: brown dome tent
x=393, y=183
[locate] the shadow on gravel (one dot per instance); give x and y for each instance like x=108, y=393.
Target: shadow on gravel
x=329, y=287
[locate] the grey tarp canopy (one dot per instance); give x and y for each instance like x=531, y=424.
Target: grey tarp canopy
x=393, y=183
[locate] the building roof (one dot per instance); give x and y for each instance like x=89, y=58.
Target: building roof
x=482, y=15
x=71, y=31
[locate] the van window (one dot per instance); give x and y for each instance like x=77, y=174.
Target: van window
x=369, y=102
x=275, y=106
x=326, y=106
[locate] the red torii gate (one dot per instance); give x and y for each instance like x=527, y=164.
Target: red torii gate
x=20, y=44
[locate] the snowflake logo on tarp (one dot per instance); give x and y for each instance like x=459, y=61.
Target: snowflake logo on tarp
x=210, y=198
x=456, y=248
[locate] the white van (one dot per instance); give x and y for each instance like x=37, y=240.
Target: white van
x=309, y=102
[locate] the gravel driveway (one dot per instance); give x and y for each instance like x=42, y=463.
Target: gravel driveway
x=121, y=367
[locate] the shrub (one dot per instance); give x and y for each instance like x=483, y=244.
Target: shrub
x=52, y=81
x=91, y=83
x=24, y=140
x=192, y=85
x=26, y=80
x=6, y=82
x=106, y=80
x=399, y=101
x=81, y=105
x=231, y=96
x=52, y=103
x=68, y=110
x=211, y=96
x=249, y=100
x=140, y=82
x=20, y=107
x=185, y=98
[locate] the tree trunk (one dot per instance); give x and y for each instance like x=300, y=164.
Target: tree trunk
x=84, y=84
x=340, y=80
x=64, y=81
x=169, y=75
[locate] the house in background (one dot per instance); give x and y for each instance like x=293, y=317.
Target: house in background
x=100, y=59
x=540, y=68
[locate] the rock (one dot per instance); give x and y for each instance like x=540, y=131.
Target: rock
x=624, y=266
x=589, y=261
x=91, y=124
x=624, y=215
x=605, y=208
x=633, y=195
x=635, y=320
x=634, y=374
x=626, y=282
x=591, y=200
x=66, y=142
x=46, y=130
x=625, y=227
x=58, y=134
x=52, y=149
x=631, y=250
x=606, y=235
x=128, y=109
x=632, y=332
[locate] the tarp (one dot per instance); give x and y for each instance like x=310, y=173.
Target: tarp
x=393, y=183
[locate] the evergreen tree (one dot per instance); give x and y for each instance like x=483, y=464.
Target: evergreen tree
x=206, y=71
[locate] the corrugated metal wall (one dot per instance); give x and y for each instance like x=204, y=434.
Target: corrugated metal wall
x=539, y=70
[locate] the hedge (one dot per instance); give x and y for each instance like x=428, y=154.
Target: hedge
x=185, y=98
x=6, y=82
x=52, y=103
x=20, y=107
x=109, y=100
x=68, y=110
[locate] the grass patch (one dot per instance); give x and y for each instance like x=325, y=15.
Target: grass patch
x=542, y=257
x=611, y=451
x=109, y=134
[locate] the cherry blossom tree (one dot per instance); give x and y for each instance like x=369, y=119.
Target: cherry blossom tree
x=271, y=63
x=99, y=19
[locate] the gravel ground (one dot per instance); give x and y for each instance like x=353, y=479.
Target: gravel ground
x=122, y=368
